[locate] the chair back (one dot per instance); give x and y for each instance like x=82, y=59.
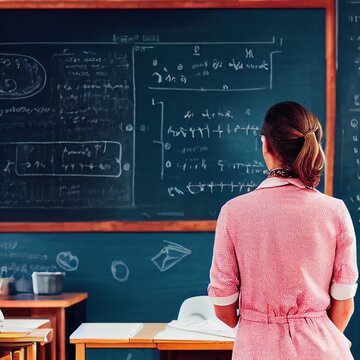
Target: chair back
x=197, y=308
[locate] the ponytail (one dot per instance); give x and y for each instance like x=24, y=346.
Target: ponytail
x=310, y=160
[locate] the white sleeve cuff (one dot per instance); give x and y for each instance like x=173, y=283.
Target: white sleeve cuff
x=343, y=291
x=224, y=300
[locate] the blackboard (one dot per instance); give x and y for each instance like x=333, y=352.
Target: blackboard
x=347, y=159
x=129, y=277
x=145, y=114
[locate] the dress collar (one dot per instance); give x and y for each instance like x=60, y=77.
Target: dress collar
x=279, y=181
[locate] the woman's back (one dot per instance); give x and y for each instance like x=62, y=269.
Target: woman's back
x=285, y=240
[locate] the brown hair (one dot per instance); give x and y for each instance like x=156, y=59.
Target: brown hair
x=293, y=134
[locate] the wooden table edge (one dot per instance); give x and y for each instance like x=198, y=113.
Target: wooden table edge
x=88, y=341
x=38, y=302
x=117, y=344
x=193, y=345
x=42, y=336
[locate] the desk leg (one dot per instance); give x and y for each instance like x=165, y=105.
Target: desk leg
x=19, y=355
x=80, y=351
x=51, y=315
x=31, y=352
x=41, y=352
x=60, y=316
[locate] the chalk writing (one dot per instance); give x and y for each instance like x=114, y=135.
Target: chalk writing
x=348, y=111
x=212, y=187
x=250, y=70
x=206, y=131
x=82, y=126
x=134, y=124
x=8, y=245
x=69, y=159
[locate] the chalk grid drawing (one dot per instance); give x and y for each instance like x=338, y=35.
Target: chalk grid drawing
x=170, y=255
x=120, y=270
x=67, y=261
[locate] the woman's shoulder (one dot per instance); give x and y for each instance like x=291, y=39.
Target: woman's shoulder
x=241, y=201
x=314, y=198
x=330, y=200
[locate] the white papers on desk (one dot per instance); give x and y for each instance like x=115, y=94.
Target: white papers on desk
x=212, y=327
x=106, y=331
x=21, y=326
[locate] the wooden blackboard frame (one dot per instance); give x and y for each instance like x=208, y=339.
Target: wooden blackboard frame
x=194, y=226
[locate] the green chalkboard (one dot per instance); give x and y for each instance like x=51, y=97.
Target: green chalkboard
x=145, y=114
x=347, y=159
x=129, y=277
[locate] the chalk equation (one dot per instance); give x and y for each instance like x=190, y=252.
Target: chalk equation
x=191, y=141
x=207, y=146
x=232, y=188
x=211, y=66
x=83, y=126
x=349, y=109
x=95, y=158
x=133, y=125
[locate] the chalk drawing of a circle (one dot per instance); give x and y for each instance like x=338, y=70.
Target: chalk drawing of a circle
x=126, y=166
x=354, y=123
x=67, y=261
x=119, y=270
x=22, y=76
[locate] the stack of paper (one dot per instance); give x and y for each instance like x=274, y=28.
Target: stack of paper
x=21, y=326
x=106, y=331
x=211, y=327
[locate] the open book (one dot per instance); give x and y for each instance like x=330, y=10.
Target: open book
x=212, y=327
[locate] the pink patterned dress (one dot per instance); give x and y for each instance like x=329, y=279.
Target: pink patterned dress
x=282, y=251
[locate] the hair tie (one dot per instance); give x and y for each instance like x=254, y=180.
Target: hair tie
x=310, y=133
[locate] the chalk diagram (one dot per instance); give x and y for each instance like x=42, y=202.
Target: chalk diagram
x=120, y=270
x=67, y=261
x=170, y=255
x=21, y=76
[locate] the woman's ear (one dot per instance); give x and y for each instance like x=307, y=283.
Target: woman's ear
x=265, y=146
x=271, y=160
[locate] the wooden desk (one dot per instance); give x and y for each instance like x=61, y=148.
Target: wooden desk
x=26, y=344
x=146, y=338
x=65, y=312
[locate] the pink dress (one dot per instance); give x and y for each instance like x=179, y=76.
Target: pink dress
x=283, y=250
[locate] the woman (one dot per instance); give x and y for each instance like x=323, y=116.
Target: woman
x=288, y=250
